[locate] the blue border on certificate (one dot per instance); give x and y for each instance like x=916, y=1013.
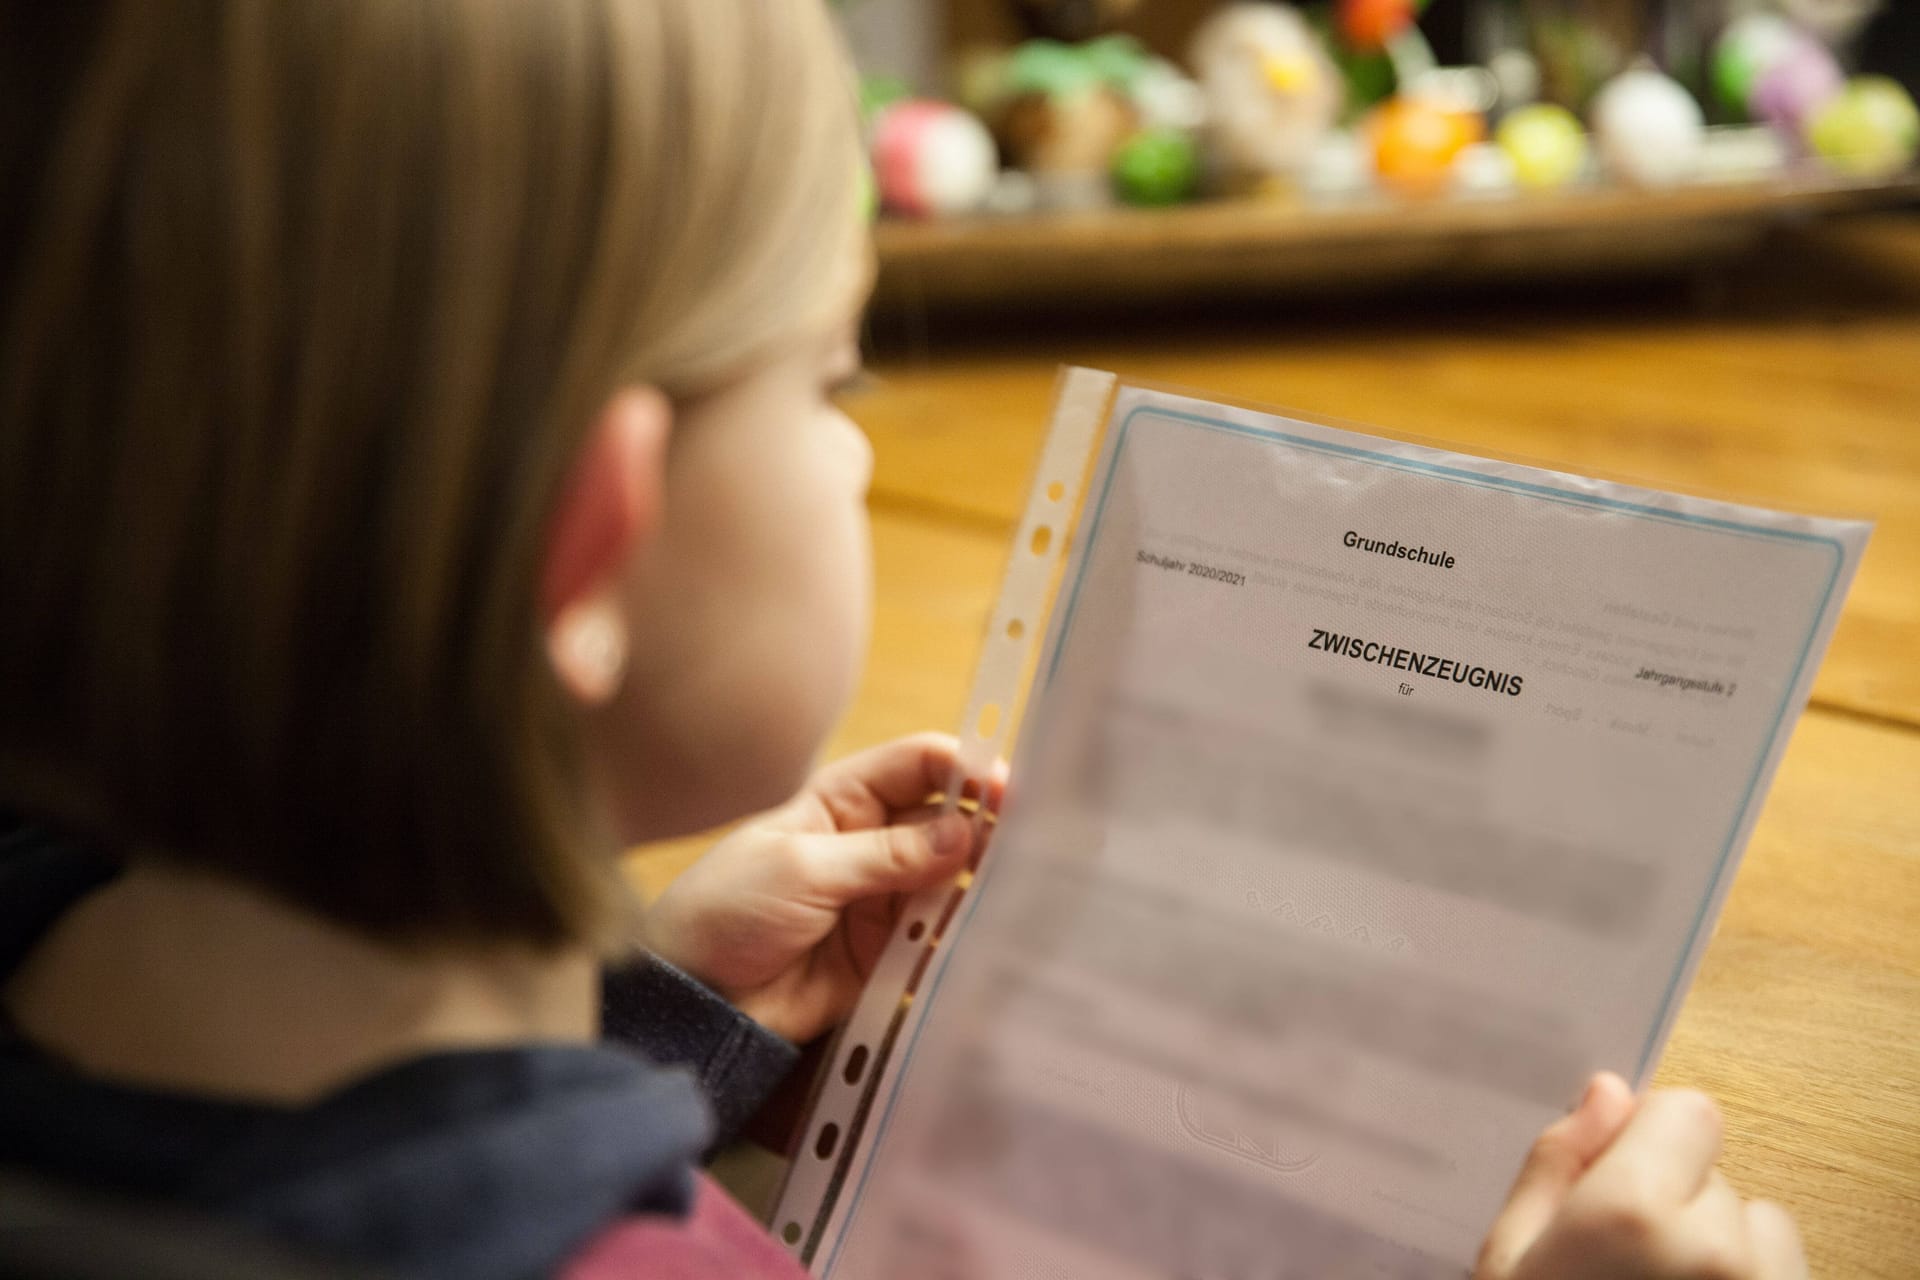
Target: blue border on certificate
x=1458, y=475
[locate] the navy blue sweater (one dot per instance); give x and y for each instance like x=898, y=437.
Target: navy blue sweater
x=482, y=1164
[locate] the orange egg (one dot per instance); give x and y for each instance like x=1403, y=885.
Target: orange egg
x=1415, y=143
x=1369, y=25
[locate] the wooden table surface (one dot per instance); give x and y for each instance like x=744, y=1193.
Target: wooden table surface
x=1794, y=382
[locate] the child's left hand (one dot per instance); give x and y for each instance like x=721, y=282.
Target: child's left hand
x=787, y=916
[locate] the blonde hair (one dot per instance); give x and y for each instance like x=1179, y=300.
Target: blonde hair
x=308, y=307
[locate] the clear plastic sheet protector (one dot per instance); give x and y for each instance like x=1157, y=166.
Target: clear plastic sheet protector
x=1369, y=797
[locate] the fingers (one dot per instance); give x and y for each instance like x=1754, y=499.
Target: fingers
x=983, y=828
x=1652, y=1206
x=1563, y=1152
x=1709, y=1236
x=1664, y=1156
x=869, y=788
x=1777, y=1252
x=849, y=866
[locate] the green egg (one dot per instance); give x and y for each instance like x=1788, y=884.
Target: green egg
x=1745, y=50
x=1156, y=167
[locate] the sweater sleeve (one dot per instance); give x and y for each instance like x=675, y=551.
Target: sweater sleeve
x=42, y=874
x=676, y=1021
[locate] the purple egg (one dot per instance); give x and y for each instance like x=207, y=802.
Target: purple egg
x=1799, y=82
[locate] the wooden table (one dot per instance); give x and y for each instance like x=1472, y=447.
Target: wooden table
x=1795, y=383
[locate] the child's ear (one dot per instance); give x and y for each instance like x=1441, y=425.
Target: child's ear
x=609, y=509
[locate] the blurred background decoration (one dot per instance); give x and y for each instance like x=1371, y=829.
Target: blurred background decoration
x=1026, y=147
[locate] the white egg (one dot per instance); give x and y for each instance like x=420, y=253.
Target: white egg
x=1339, y=165
x=957, y=164
x=1483, y=169
x=1648, y=129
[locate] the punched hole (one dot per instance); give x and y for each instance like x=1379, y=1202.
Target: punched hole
x=791, y=1233
x=1042, y=539
x=1056, y=491
x=989, y=719
x=856, y=1065
x=916, y=931
x=946, y=916
x=1016, y=629
x=829, y=1138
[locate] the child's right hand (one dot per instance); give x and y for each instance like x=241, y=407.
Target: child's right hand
x=1626, y=1189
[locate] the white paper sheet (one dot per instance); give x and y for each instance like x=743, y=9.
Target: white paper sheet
x=1371, y=797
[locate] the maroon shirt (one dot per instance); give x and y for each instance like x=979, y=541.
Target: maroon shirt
x=718, y=1239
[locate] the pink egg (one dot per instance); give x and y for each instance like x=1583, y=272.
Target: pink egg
x=931, y=159
x=1800, y=82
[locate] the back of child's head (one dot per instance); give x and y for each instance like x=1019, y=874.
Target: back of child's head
x=308, y=308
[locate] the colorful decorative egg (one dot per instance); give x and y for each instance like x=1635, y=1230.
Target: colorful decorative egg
x=1484, y=169
x=1415, y=142
x=1271, y=90
x=1648, y=129
x=1369, y=25
x=1339, y=167
x=1546, y=144
x=1871, y=130
x=1804, y=78
x=1156, y=166
x=1745, y=52
x=931, y=159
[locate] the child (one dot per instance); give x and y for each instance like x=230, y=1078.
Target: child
x=418, y=481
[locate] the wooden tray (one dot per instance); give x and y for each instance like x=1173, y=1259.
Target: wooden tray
x=1290, y=246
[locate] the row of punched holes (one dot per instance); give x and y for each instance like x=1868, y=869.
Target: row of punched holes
x=828, y=1139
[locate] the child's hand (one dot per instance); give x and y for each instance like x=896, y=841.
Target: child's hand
x=787, y=916
x=1627, y=1190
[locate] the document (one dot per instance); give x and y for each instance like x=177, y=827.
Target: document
x=1370, y=797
